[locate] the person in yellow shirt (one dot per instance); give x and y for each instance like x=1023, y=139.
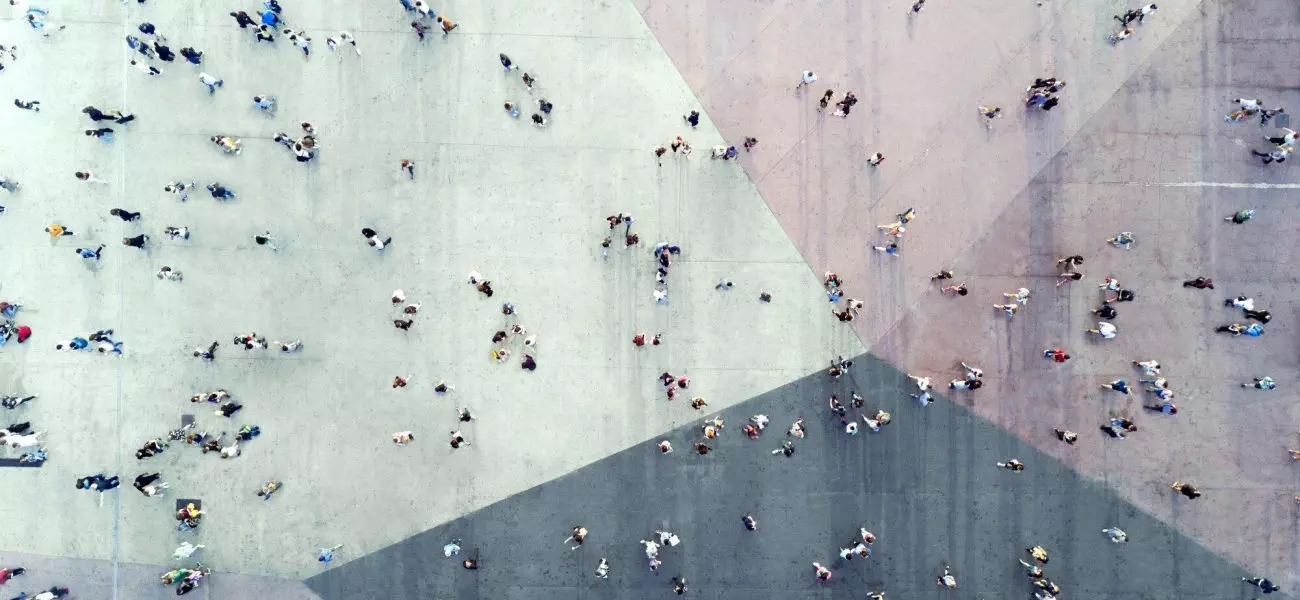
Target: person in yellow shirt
x=56, y=230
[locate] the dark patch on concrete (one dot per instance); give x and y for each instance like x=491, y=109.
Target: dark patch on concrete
x=926, y=486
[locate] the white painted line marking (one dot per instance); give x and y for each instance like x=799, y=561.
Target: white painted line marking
x=1219, y=184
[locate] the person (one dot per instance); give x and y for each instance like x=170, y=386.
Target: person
x=1123, y=239
x=578, y=535
x=1067, y=436
x=192, y=56
x=1116, y=535
x=1118, y=385
x=9, y=573
x=1264, y=585
x=1105, y=330
x=1187, y=490
x=947, y=579
x=1262, y=383
x=822, y=574
x=679, y=585
x=228, y=144
x=1056, y=355
x=372, y=239
x=1012, y=465
x=989, y=113
x=327, y=554
x=242, y=19
x=88, y=253
x=1241, y=216
x=265, y=104
x=1199, y=283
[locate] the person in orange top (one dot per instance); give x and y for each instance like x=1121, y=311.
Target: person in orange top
x=447, y=25
x=56, y=230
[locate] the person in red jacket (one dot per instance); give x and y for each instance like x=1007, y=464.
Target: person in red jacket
x=7, y=574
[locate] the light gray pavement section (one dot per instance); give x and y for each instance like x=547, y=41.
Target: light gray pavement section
x=523, y=206
x=94, y=580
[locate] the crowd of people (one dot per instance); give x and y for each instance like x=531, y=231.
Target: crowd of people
x=151, y=47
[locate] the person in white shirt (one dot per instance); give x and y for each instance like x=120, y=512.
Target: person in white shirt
x=1105, y=330
x=347, y=38
x=1248, y=104
x=146, y=68
x=807, y=78
x=1289, y=138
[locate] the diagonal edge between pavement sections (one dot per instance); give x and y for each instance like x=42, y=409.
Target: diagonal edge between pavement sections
x=926, y=485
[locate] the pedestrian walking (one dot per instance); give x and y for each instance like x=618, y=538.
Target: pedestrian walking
x=959, y=289
x=104, y=134
x=825, y=100
x=372, y=239
x=989, y=113
x=1118, y=385
x=946, y=579
x=1104, y=330
x=88, y=253
x=170, y=274
x=1277, y=154
x=1065, y=435
x=446, y=24
x=146, y=68
x=1262, y=383
x=265, y=239
x=212, y=82
x=1264, y=585
x=1241, y=216
x=124, y=214
x=1191, y=493
x=408, y=165
x=242, y=19
x=1200, y=283
x=220, y=192
x=89, y=177
x=31, y=105
x=1013, y=465
x=265, y=104
x=805, y=79
x=327, y=554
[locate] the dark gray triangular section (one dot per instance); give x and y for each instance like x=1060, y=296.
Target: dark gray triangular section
x=926, y=486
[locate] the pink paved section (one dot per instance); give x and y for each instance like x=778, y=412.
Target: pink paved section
x=1138, y=144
